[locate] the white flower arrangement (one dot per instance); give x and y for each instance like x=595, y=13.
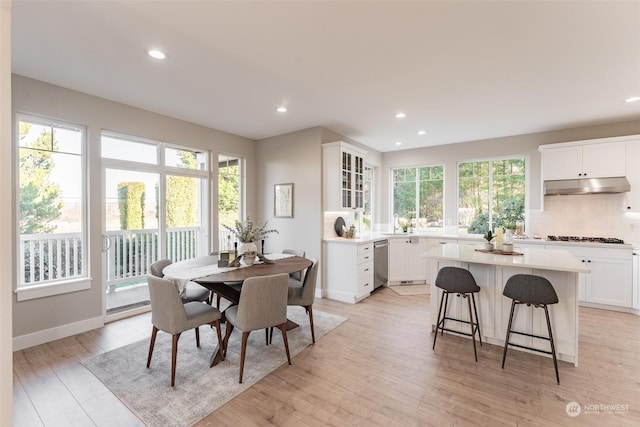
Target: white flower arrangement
x=245, y=231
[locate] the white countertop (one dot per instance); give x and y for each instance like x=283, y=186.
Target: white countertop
x=543, y=259
x=376, y=235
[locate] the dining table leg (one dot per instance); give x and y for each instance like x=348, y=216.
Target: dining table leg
x=216, y=356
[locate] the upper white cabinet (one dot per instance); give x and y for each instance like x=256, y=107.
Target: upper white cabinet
x=593, y=160
x=343, y=171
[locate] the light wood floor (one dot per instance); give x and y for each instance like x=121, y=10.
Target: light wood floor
x=377, y=368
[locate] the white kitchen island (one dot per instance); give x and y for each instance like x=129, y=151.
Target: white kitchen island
x=491, y=272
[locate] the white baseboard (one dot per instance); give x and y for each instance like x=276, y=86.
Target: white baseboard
x=47, y=335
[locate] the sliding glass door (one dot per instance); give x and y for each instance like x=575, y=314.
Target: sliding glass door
x=155, y=207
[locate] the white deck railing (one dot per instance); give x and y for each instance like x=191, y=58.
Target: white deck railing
x=49, y=257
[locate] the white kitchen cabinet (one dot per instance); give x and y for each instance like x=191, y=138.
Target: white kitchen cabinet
x=611, y=279
x=348, y=271
x=596, y=160
x=632, y=198
x=343, y=174
x=405, y=261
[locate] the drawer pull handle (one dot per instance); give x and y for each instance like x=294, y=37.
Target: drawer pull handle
x=366, y=269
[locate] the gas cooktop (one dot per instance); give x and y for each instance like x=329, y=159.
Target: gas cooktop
x=585, y=239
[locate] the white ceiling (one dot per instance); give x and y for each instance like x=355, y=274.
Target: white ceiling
x=461, y=70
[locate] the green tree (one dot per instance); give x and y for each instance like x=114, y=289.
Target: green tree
x=228, y=194
x=39, y=203
x=182, y=195
x=131, y=204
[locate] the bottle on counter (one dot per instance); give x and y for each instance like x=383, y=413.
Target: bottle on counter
x=499, y=239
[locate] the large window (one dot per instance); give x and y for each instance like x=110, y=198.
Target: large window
x=491, y=194
x=229, y=197
x=52, y=202
x=418, y=197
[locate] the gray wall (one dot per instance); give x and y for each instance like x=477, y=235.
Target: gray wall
x=450, y=155
x=35, y=97
x=296, y=158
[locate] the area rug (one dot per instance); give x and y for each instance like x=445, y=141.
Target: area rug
x=199, y=390
x=404, y=290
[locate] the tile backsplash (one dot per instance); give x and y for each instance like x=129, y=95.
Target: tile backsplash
x=596, y=215
x=330, y=220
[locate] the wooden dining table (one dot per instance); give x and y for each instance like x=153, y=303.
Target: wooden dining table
x=222, y=283
x=225, y=281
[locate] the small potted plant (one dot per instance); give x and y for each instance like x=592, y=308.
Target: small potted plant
x=489, y=237
x=249, y=234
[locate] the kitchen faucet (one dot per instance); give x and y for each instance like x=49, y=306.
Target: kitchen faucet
x=395, y=223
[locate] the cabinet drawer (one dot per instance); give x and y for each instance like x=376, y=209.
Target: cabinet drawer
x=366, y=248
x=364, y=270
x=365, y=284
x=365, y=257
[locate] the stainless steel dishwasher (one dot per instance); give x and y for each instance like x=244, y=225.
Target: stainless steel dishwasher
x=380, y=263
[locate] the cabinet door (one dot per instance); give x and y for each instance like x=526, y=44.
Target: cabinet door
x=632, y=202
x=610, y=282
x=416, y=265
x=347, y=179
x=397, y=256
x=604, y=160
x=562, y=163
x=358, y=182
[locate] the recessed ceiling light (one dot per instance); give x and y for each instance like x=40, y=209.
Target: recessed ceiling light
x=157, y=54
x=422, y=132
x=281, y=109
x=633, y=99
x=400, y=115
x=397, y=143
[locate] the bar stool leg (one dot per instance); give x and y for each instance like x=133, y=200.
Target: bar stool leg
x=473, y=330
x=477, y=320
x=438, y=321
x=444, y=315
x=553, y=347
x=506, y=340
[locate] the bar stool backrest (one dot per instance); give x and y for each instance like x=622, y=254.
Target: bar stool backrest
x=456, y=280
x=530, y=289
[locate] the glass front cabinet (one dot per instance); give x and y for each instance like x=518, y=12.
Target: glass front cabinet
x=343, y=171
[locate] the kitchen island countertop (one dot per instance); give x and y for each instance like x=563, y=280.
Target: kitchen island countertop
x=547, y=259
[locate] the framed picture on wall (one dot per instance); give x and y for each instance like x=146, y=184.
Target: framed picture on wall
x=283, y=200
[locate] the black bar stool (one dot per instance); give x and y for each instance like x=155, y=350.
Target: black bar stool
x=531, y=290
x=458, y=281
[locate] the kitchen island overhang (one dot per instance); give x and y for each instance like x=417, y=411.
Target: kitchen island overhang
x=491, y=272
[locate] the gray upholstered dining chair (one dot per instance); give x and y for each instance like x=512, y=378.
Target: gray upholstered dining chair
x=262, y=305
x=304, y=295
x=296, y=276
x=193, y=291
x=169, y=314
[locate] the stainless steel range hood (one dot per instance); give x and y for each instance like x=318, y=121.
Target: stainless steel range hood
x=587, y=186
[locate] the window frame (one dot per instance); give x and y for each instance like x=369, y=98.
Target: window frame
x=64, y=285
x=527, y=197
x=417, y=192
